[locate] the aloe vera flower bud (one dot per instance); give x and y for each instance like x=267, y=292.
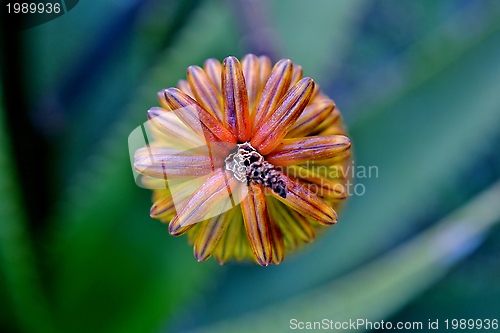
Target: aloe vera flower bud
x=247, y=154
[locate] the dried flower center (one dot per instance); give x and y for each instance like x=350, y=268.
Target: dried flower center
x=247, y=165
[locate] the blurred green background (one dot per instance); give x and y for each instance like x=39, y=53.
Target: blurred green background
x=418, y=83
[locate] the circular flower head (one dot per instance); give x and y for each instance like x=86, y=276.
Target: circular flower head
x=247, y=159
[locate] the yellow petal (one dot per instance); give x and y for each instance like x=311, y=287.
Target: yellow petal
x=277, y=242
x=196, y=117
x=209, y=234
x=341, y=157
x=234, y=232
x=234, y=92
x=209, y=200
x=333, y=119
x=165, y=207
x=213, y=69
x=205, y=92
x=276, y=87
x=257, y=223
x=306, y=202
x=313, y=115
x=275, y=127
x=193, y=233
x=295, y=227
x=300, y=150
x=334, y=130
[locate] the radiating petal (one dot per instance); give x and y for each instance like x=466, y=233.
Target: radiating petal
x=165, y=166
x=165, y=206
x=343, y=156
x=277, y=242
x=161, y=99
x=159, y=194
x=242, y=249
x=192, y=233
x=213, y=69
x=251, y=71
x=236, y=114
x=184, y=86
x=300, y=150
x=204, y=91
x=196, y=117
x=209, y=234
x=313, y=115
x=265, y=69
x=209, y=200
x=275, y=88
x=234, y=231
x=295, y=227
x=322, y=186
x=257, y=223
x=333, y=119
x=275, y=127
x=306, y=202
x=296, y=75
x=334, y=130
x=173, y=128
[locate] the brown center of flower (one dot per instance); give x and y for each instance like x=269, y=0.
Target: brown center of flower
x=247, y=165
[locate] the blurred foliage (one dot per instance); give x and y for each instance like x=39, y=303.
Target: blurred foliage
x=417, y=83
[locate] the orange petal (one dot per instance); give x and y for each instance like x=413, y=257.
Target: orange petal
x=313, y=115
x=275, y=127
x=209, y=200
x=300, y=150
x=323, y=187
x=213, y=69
x=306, y=202
x=234, y=92
x=173, y=128
x=196, y=117
x=205, y=92
x=209, y=234
x=251, y=71
x=257, y=223
x=165, y=166
x=341, y=157
x=276, y=87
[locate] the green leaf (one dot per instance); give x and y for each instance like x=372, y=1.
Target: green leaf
x=315, y=36
x=17, y=261
x=118, y=270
